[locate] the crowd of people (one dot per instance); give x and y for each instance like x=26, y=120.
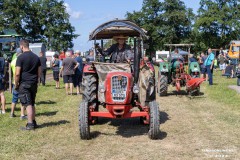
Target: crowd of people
x=209, y=62
x=29, y=71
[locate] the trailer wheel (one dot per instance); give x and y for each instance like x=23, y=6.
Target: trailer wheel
x=90, y=93
x=162, y=84
x=154, y=119
x=84, y=120
x=196, y=92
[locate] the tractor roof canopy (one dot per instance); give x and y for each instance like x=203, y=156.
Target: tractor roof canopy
x=9, y=33
x=117, y=27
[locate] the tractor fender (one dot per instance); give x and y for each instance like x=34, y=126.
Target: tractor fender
x=89, y=69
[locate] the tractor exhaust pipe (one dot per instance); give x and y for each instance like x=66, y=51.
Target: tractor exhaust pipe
x=137, y=54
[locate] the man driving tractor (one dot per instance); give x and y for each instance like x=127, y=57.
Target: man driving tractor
x=120, y=52
x=176, y=56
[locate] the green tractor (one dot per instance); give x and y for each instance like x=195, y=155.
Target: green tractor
x=9, y=41
x=194, y=69
x=174, y=71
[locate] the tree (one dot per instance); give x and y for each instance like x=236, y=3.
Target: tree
x=1, y=15
x=13, y=12
x=149, y=19
x=40, y=21
x=166, y=22
x=218, y=22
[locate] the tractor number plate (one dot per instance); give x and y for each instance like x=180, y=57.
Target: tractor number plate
x=119, y=95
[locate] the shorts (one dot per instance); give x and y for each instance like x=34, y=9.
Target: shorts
x=77, y=80
x=222, y=66
x=56, y=75
x=27, y=94
x=68, y=79
x=14, y=95
x=2, y=85
x=203, y=70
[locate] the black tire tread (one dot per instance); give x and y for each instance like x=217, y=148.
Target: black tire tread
x=83, y=121
x=163, y=86
x=154, y=123
x=90, y=92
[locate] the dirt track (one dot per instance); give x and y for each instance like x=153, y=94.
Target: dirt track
x=191, y=128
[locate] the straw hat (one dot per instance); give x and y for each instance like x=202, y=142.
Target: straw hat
x=120, y=37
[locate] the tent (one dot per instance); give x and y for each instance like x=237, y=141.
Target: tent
x=181, y=52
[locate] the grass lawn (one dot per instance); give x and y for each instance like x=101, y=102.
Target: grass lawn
x=206, y=126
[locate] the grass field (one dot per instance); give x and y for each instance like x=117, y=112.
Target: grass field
x=203, y=127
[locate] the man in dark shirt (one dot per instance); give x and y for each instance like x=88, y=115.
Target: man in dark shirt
x=120, y=52
x=2, y=75
x=43, y=61
x=68, y=69
x=78, y=72
x=192, y=58
x=28, y=71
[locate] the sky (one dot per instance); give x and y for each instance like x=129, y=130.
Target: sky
x=86, y=15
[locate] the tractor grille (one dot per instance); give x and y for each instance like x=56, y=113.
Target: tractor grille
x=119, y=88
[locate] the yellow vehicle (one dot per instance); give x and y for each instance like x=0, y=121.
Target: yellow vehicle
x=234, y=49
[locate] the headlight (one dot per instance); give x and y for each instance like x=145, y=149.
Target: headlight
x=135, y=89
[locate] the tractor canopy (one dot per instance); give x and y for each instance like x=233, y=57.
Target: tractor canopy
x=117, y=27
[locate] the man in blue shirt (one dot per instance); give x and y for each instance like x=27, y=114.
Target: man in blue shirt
x=209, y=65
x=78, y=71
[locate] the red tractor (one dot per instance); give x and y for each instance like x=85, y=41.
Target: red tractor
x=119, y=87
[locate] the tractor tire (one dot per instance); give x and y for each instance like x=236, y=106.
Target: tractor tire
x=162, y=84
x=154, y=119
x=84, y=120
x=90, y=93
x=238, y=81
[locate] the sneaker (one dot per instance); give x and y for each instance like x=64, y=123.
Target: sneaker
x=23, y=117
x=12, y=115
x=2, y=112
x=28, y=127
x=35, y=124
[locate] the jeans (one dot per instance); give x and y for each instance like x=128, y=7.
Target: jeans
x=209, y=72
x=43, y=76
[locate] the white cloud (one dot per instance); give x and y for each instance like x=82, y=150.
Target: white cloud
x=73, y=14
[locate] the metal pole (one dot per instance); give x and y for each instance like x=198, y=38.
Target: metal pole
x=94, y=51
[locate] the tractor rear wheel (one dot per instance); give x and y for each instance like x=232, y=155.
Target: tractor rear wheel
x=154, y=119
x=84, y=120
x=162, y=84
x=90, y=93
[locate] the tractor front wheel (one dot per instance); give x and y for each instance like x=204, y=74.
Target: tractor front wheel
x=154, y=119
x=162, y=84
x=84, y=120
x=90, y=93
